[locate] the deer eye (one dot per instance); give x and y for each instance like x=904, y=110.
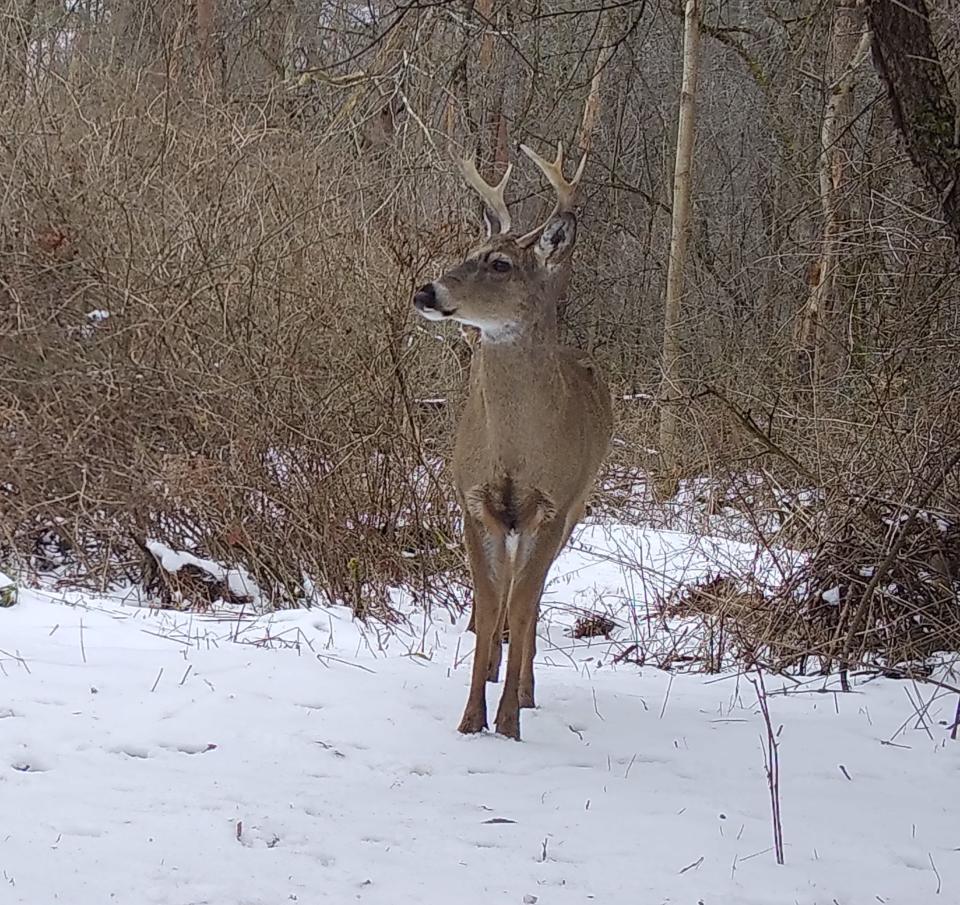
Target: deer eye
x=501, y=265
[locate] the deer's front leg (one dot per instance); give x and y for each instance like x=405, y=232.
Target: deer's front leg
x=496, y=650
x=485, y=562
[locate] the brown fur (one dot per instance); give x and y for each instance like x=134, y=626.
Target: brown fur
x=529, y=444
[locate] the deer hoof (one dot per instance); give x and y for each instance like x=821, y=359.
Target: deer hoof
x=472, y=722
x=526, y=699
x=508, y=724
x=509, y=729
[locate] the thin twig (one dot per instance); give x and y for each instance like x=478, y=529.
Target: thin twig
x=771, y=758
x=895, y=547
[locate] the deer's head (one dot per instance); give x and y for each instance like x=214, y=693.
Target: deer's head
x=509, y=284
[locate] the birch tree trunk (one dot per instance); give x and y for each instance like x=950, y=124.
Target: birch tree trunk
x=671, y=383
x=850, y=43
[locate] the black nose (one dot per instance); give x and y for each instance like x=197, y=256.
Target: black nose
x=425, y=297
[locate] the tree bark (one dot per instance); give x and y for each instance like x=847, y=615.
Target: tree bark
x=493, y=127
x=206, y=17
x=906, y=58
x=591, y=108
x=671, y=386
x=850, y=42
x=16, y=31
x=288, y=51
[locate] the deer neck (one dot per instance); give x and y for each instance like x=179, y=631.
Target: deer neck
x=514, y=370
x=515, y=377
x=516, y=397
x=536, y=329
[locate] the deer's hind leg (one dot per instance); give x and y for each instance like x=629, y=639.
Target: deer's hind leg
x=539, y=546
x=526, y=692
x=496, y=648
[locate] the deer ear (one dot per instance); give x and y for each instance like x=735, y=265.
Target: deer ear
x=557, y=239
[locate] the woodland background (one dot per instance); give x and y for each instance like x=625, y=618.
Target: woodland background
x=213, y=215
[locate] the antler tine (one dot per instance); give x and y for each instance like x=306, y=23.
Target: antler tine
x=492, y=195
x=566, y=190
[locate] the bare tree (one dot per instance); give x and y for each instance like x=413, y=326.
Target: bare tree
x=679, y=235
x=206, y=18
x=849, y=44
x=16, y=29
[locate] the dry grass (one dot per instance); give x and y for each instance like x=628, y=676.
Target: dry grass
x=593, y=625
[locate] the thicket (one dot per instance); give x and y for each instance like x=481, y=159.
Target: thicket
x=213, y=215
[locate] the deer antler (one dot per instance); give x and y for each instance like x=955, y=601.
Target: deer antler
x=566, y=191
x=498, y=216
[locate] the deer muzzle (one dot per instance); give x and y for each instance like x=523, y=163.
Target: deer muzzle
x=430, y=303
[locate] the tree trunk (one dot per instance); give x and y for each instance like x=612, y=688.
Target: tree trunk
x=16, y=30
x=288, y=52
x=906, y=58
x=671, y=386
x=591, y=108
x=493, y=128
x=849, y=44
x=206, y=17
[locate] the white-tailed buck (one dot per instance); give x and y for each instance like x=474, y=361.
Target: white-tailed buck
x=532, y=436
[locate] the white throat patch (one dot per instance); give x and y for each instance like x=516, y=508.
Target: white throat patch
x=500, y=333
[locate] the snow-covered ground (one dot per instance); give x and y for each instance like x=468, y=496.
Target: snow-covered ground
x=169, y=758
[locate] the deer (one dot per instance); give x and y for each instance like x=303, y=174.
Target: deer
x=532, y=435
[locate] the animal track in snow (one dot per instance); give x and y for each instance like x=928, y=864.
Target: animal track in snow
x=29, y=766
x=140, y=752
x=191, y=747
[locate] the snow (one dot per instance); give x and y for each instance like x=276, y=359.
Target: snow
x=177, y=759
x=239, y=581
x=831, y=596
